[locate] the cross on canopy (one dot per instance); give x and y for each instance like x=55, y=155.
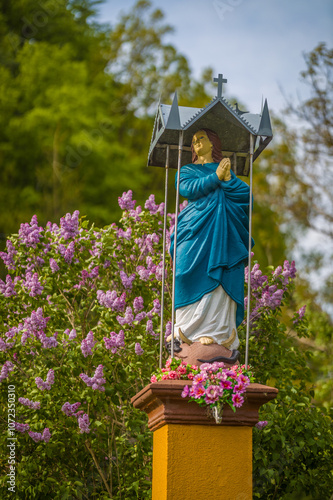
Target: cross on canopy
x=220, y=81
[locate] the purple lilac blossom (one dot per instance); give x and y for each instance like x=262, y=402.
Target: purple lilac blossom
x=143, y=273
x=84, y=423
x=5, y=345
x=127, y=281
x=67, y=252
x=34, y=325
x=96, y=381
x=8, y=257
x=127, y=319
x=260, y=425
x=138, y=304
x=48, y=383
x=34, y=405
x=157, y=307
x=149, y=326
x=88, y=344
x=138, y=349
x=111, y=300
x=46, y=436
x=69, y=225
x=124, y=234
x=70, y=409
x=135, y=214
x=300, y=313
x=30, y=234
x=125, y=201
x=37, y=436
x=151, y=205
x=72, y=334
x=168, y=328
x=6, y=369
x=48, y=342
x=32, y=283
x=7, y=288
x=54, y=266
x=289, y=271
x=115, y=342
x=21, y=427
x=139, y=317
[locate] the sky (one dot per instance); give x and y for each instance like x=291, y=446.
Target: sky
x=256, y=44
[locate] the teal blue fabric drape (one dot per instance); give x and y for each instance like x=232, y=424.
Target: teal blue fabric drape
x=213, y=235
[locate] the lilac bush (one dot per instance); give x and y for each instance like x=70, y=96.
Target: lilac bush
x=80, y=310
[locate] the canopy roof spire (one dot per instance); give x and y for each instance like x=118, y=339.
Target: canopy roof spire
x=233, y=126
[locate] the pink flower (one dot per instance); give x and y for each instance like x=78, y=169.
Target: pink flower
x=243, y=379
x=201, y=377
x=239, y=388
x=226, y=384
x=173, y=374
x=153, y=378
x=198, y=390
x=168, y=363
x=237, y=400
x=213, y=392
x=185, y=391
x=181, y=370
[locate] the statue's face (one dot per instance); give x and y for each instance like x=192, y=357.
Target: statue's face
x=201, y=143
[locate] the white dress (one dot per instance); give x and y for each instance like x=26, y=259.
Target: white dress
x=212, y=316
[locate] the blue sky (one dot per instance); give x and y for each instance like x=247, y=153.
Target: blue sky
x=256, y=44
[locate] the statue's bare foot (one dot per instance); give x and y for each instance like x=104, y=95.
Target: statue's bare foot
x=206, y=340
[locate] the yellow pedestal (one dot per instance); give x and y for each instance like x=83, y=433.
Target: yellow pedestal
x=195, y=462
x=193, y=457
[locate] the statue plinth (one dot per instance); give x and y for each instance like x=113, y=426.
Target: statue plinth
x=184, y=435
x=163, y=404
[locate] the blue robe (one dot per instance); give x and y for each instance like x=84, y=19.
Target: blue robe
x=213, y=236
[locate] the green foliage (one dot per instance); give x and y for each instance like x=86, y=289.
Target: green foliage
x=114, y=456
x=292, y=454
x=74, y=126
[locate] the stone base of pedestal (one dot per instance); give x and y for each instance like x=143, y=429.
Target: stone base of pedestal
x=194, y=462
x=193, y=457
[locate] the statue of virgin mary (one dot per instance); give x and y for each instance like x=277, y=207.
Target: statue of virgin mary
x=212, y=246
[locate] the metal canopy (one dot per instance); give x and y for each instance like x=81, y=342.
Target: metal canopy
x=243, y=135
x=233, y=126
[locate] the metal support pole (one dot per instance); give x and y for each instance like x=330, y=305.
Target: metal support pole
x=249, y=258
x=175, y=243
x=164, y=244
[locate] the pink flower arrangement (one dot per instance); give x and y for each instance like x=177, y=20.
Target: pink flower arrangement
x=213, y=385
